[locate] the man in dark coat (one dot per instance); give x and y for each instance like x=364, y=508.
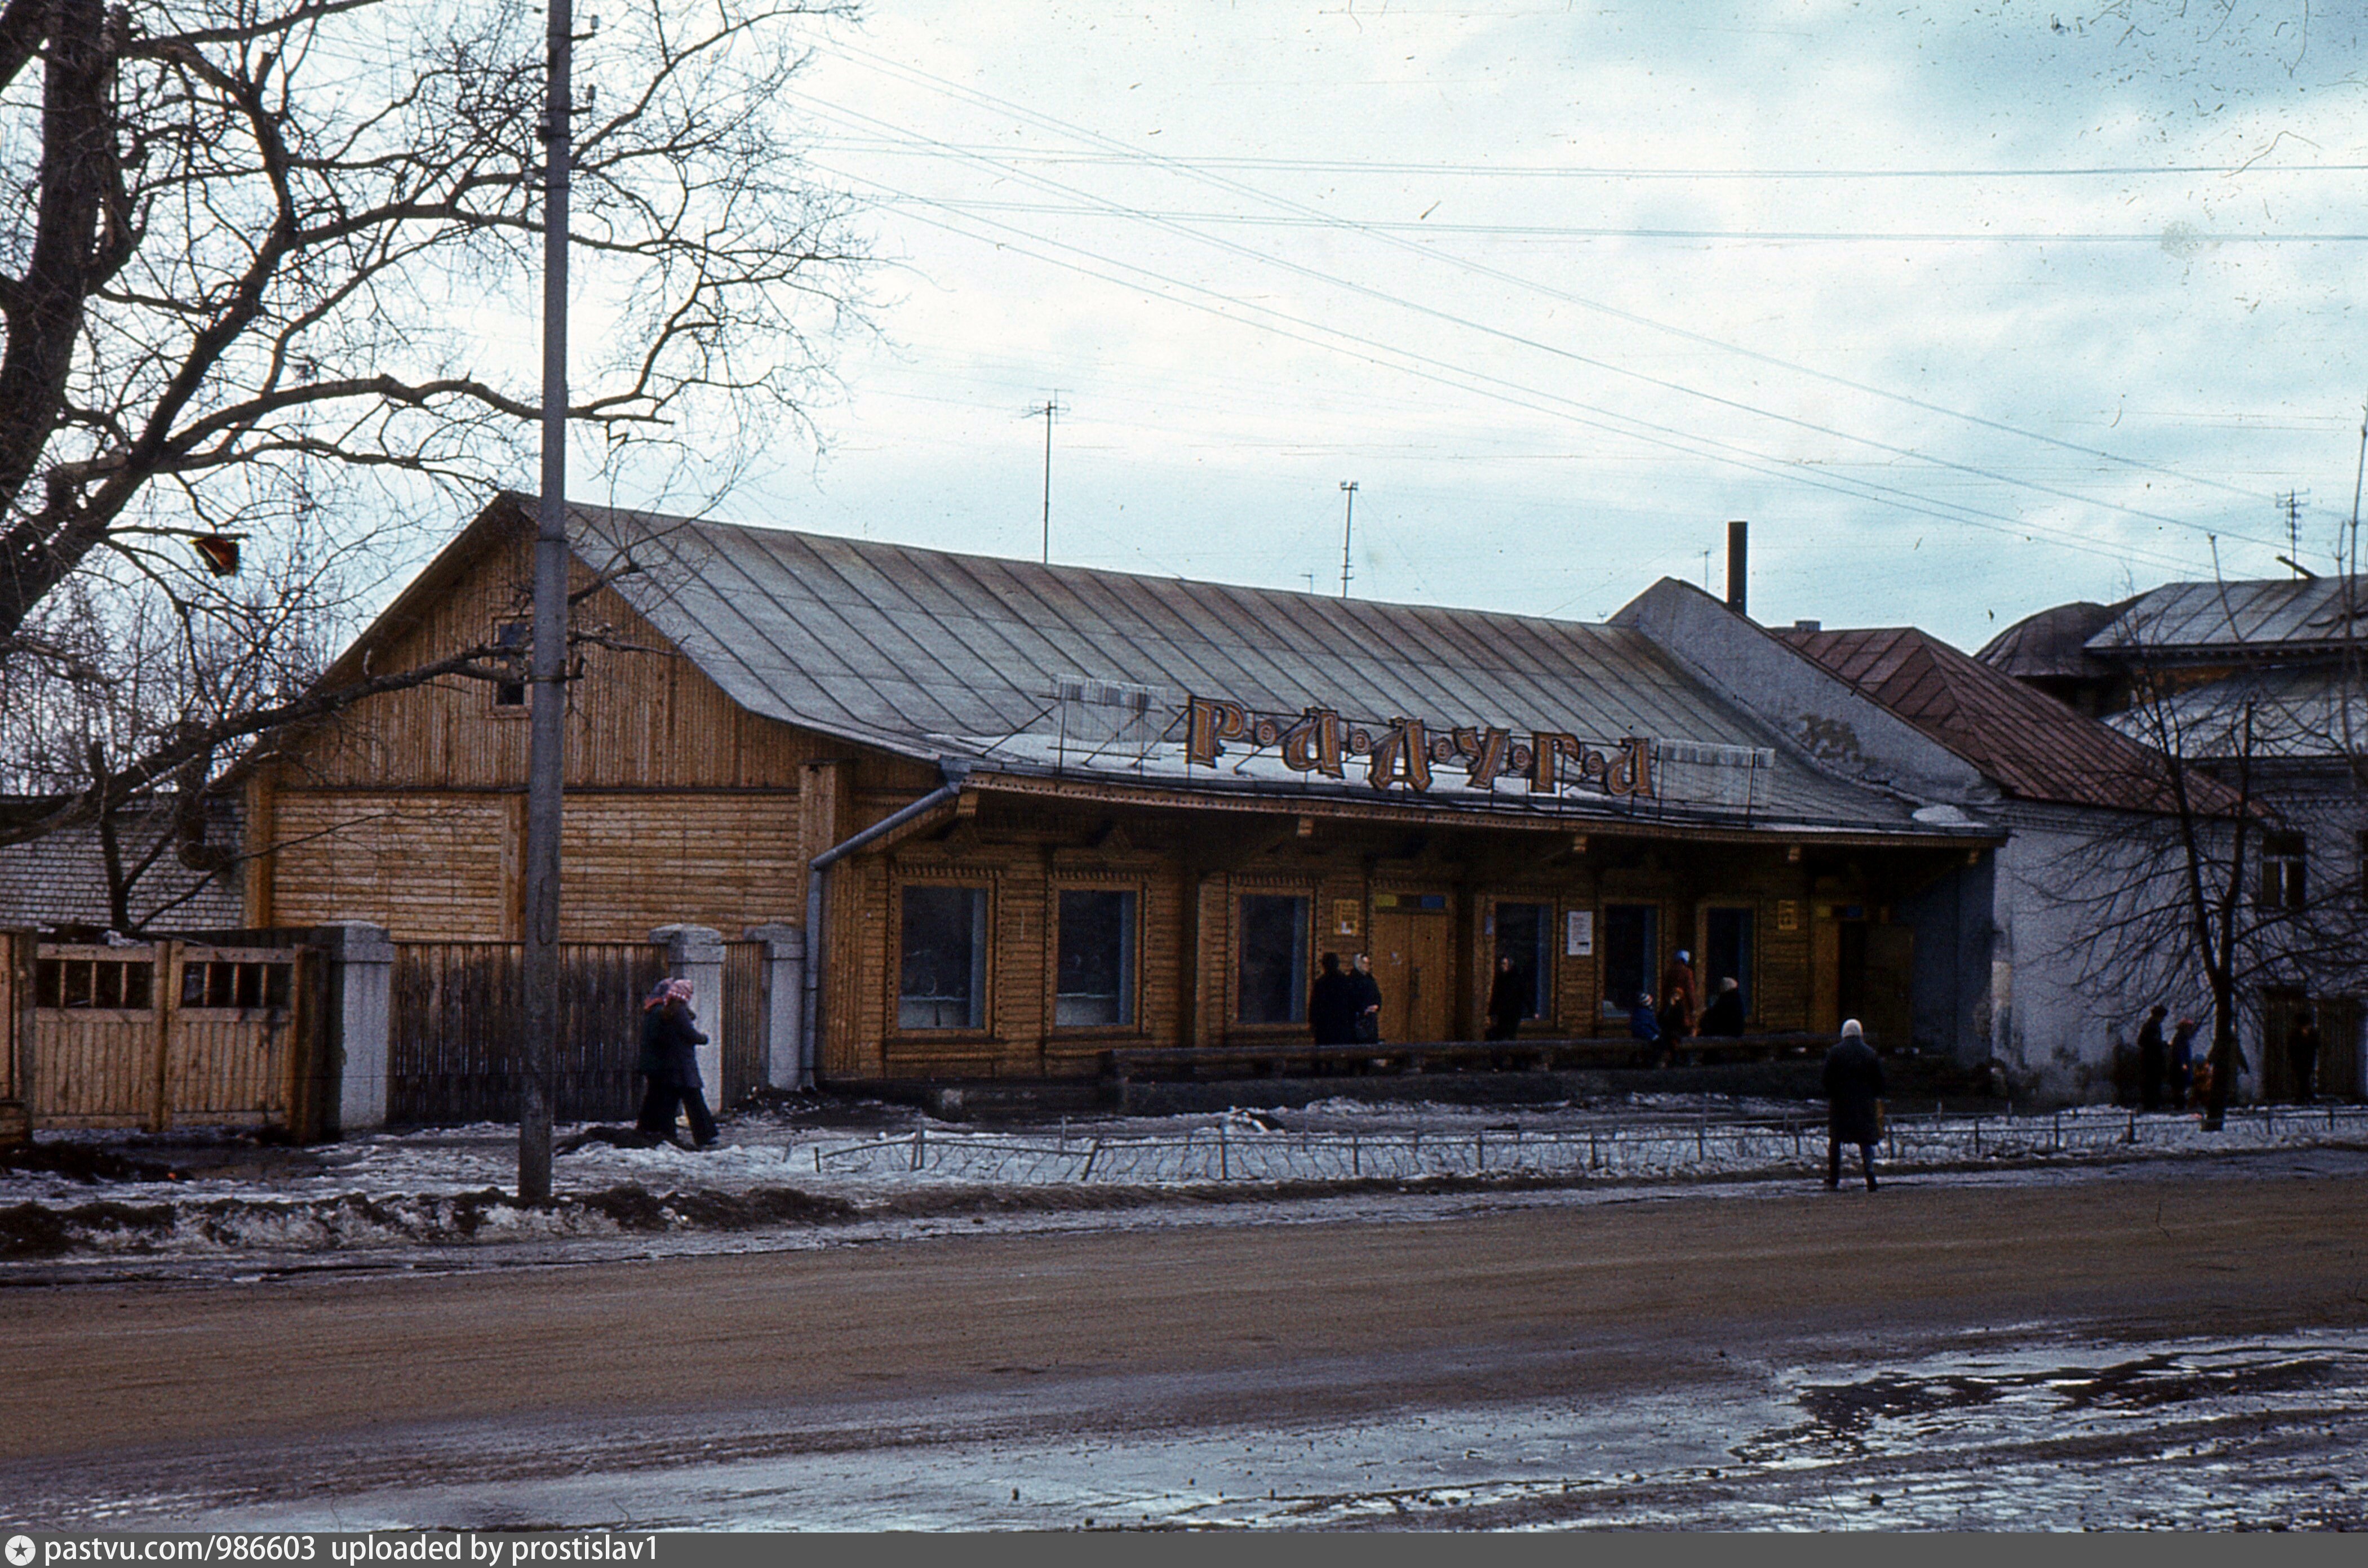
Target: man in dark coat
x=1723, y=1019
x=1508, y=1000
x=2154, y=1059
x=669, y=1060
x=1853, y=1084
x=1367, y=998
x=1332, y=1005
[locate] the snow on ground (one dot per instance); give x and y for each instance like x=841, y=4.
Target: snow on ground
x=808, y=1166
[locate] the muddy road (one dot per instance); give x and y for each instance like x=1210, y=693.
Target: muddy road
x=1529, y=1365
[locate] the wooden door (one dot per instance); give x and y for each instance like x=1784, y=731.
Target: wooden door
x=1825, y=976
x=2338, y=1050
x=1411, y=956
x=1889, y=1011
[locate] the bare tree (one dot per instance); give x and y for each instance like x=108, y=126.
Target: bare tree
x=267, y=288
x=2215, y=892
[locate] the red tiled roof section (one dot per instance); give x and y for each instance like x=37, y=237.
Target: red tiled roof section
x=2030, y=744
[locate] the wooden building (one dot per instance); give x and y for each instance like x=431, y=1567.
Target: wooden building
x=1029, y=814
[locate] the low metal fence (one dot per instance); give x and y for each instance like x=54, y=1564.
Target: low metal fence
x=1227, y=1153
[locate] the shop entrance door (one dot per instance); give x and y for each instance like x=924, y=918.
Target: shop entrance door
x=1412, y=949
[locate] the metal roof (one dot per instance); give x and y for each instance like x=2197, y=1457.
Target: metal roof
x=2281, y=615
x=1013, y=664
x=2032, y=746
x=2297, y=713
x=2053, y=642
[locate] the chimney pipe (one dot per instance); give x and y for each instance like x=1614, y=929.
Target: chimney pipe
x=1739, y=549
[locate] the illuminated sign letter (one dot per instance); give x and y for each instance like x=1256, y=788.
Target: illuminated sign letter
x=1631, y=772
x=1207, y=722
x=1486, y=750
x=1314, y=743
x=1545, y=747
x=1401, y=756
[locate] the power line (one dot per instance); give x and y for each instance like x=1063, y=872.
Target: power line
x=1557, y=171
x=1573, y=356
x=1133, y=154
x=1429, y=368
x=1770, y=236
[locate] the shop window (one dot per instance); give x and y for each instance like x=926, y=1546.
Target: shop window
x=2361, y=841
x=1631, y=955
x=1726, y=952
x=1093, y=975
x=2282, y=870
x=1525, y=934
x=941, y=979
x=1273, y=960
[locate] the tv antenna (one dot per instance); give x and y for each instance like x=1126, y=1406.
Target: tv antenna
x=1047, y=409
x=1348, y=532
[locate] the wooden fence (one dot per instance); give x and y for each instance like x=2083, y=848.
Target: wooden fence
x=455, y=1050
x=162, y=1034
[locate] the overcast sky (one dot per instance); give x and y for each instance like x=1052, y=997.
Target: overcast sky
x=1969, y=309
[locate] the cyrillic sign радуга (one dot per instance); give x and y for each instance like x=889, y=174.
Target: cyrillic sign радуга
x=1404, y=751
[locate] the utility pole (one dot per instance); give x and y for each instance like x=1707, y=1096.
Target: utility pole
x=1048, y=408
x=547, y=740
x=1348, y=532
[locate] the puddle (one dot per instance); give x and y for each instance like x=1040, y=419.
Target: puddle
x=2035, y=1436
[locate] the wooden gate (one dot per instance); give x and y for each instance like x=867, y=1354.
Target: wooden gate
x=455, y=1054
x=170, y=1034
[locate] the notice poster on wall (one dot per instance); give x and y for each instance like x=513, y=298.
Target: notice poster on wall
x=1346, y=912
x=1578, y=934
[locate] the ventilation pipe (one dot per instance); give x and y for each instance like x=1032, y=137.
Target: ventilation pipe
x=1739, y=549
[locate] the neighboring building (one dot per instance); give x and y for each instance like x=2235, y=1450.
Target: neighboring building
x=62, y=879
x=1111, y=809
x=2049, y=652
x=2259, y=682
x=1898, y=710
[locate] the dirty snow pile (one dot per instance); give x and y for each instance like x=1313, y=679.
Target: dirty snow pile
x=117, y=1196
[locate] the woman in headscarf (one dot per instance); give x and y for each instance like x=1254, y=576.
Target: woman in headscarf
x=669, y=1061
x=1853, y=1087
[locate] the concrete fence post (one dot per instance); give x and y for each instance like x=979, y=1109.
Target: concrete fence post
x=787, y=1065
x=359, y=1029
x=696, y=953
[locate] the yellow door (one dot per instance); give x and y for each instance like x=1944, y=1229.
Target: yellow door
x=1411, y=954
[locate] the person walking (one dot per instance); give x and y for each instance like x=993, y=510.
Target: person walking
x=1853, y=1083
x=1509, y=1001
x=1367, y=996
x=2154, y=1059
x=1332, y=1005
x=2183, y=1062
x=669, y=1060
